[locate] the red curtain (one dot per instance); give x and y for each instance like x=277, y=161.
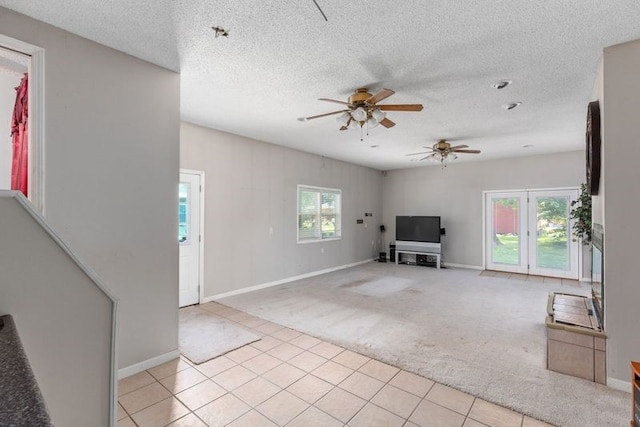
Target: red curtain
x=20, y=138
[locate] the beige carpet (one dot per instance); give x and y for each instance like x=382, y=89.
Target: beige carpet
x=204, y=336
x=483, y=335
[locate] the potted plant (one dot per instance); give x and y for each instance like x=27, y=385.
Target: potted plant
x=581, y=214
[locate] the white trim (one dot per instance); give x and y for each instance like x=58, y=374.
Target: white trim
x=36, y=117
x=467, y=266
x=36, y=130
x=147, y=364
x=484, y=230
x=201, y=243
x=191, y=171
x=282, y=281
x=509, y=190
x=29, y=208
x=617, y=384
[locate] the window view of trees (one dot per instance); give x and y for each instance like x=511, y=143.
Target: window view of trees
x=552, y=232
x=318, y=213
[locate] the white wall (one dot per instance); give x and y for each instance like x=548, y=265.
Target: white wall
x=251, y=188
x=64, y=320
x=8, y=81
x=111, y=171
x=455, y=194
x=621, y=150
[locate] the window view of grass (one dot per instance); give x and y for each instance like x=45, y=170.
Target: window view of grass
x=552, y=250
x=552, y=234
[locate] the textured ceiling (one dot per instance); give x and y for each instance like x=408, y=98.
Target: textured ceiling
x=281, y=56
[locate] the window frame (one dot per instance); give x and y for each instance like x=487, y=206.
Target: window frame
x=320, y=191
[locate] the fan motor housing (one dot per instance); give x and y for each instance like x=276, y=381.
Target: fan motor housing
x=360, y=96
x=442, y=145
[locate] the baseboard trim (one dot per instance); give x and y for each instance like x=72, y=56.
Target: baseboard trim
x=283, y=281
x=619, y=384
x=149, y=363
x=470, y=267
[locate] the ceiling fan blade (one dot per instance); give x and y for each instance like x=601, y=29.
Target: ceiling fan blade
x=387, y=123
x=430, y=155
x=415, y=154
x=467, y=151
x=457, y=147
x=383, y=94
x=334, y=100
x=401, y=107
x=325, y=115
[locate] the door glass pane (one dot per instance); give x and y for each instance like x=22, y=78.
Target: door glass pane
x=184, y=214
x=506, y=239
x=552, y=232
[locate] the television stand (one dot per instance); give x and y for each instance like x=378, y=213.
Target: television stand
x=401, y=251
x=419, y=248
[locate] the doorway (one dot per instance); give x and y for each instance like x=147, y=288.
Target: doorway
x=190, y=236
x=15, y=49
x=529, y=232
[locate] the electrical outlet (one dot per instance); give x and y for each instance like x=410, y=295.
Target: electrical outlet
x=321, y=250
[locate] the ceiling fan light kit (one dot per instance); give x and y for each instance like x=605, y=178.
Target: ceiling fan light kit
x=443, y=152
x=359, y=114
x=362, y=109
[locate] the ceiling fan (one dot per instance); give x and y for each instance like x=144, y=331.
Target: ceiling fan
x=443, y=151
x=362, y=108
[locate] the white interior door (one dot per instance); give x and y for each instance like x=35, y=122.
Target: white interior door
x=530, y=232
x=189, y=238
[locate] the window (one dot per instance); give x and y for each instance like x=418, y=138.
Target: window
x=183, y=213
x=319, y=214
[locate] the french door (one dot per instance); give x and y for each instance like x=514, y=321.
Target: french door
x=529, y=232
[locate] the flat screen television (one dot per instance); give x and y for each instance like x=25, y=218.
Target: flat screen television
x=418, y=228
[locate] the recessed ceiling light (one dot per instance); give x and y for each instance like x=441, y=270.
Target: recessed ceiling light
x=511, y=106
x=375, y=146
x=501, y=84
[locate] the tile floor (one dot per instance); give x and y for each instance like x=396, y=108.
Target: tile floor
x=291, y=379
